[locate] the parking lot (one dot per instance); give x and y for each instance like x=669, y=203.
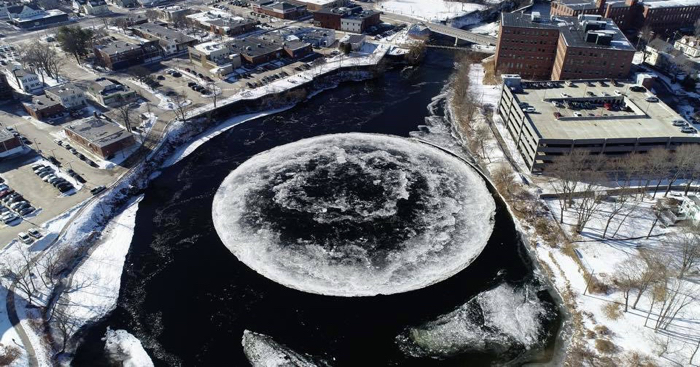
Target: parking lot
x=48, y=201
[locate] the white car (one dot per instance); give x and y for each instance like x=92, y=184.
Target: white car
x=618, y=93
x=679, y=123
x=25, y=238
x=529, y=109
x=578, y=114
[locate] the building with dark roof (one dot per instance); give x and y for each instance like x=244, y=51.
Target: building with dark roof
x=9, y=144
x=222, y=23
x=170, y=40
x=99, y=136
x=110, y=92
x=279, y=9
x=316, y=5
x=118, y=52
x=69, y=95
x=42, y=107
x=29, y=16
x=350, y=19
x=662, y=16
x=583, y=47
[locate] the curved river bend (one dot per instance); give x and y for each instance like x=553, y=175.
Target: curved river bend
x=189, y=299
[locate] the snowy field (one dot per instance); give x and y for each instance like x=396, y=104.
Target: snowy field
x=430, y=10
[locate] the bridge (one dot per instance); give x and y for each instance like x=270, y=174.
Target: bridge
x=458, y=34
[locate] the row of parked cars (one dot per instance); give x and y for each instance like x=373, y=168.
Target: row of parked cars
x=76, y=153
x=48, y=175
x=29, y=237
x=684, y=126
x=198, y=88
x=13, y=204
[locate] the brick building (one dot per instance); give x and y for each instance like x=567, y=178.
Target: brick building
x=349, y=19
x=9, y=144
x=581, y=47
x=43, y=107
x=222, y=23
x=279, y=9
x=121, y=53
x=98, y=136
x=316, y=5
x=662, y=16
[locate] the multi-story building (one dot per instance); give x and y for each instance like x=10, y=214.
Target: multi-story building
x=5, y=88
x=319, y=37
x=110, y=92
x=279, y=9
x=316, y=5
x=662, y=16
x=689, y=45
x=582, y=47
x=348, y=19
x=119, y=52
x=91, y=7
x=98, y=136
x=215, y=57
x=70, y=96
x=173, y=13
x=222, y=23
x=171, y=41
x=549, y=119
x=27, y=82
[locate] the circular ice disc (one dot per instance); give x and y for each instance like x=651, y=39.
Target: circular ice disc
x=354, y=214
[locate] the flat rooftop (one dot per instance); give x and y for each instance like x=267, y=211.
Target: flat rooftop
x=98, y=131
x=572, y=29
x=646, y=120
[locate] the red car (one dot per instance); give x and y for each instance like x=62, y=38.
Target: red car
x=5, y=193
x=557, y=115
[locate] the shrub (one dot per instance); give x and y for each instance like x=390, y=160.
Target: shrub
x=603, y=330
x=605, y=346
x=612, y=311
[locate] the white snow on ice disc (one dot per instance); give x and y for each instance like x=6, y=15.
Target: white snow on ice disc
x=354, y=214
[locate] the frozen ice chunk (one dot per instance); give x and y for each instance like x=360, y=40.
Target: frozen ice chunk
x=501, y=319
x=125, y=349
x=262, y=351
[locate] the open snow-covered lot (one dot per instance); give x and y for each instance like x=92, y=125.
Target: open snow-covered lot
x=430, y=10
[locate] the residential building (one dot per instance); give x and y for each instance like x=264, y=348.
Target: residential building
x=319, y=37
x=124, y=3
x=664, y=57
x=70, y=96
x=43, y=107
x=662, y=16
x=582, y=47
x=26, y=81
x=96, y=7
x=356, y=41
x=215, y=57
x=110, y=92
x=549, y=119
x=119, y=52
x=30, y=16
x=316, y=5
x=170, y=40
x=689, y=45
x=173, y=13
x=222, y=23
x=279, y=9
x=98, y=136
x=350, y=19
x=9, y=144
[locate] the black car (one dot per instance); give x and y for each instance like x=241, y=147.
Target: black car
x=97, y=190
x=64, y=189
x=160, y=77
x=54, y=161
x=191, y=84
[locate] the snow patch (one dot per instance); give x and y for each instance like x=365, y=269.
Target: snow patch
x=126, y=349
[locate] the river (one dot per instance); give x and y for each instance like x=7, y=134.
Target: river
x=188, y=299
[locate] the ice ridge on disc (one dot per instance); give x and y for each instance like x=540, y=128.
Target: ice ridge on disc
x=262, y=351
x=354, y=214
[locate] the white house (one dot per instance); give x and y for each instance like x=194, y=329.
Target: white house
x=27, y=82
x=70, y=96
x=689, y=45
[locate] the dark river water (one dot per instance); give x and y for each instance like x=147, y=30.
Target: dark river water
x=188, y=299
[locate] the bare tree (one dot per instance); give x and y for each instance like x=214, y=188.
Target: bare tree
x=121, y=23
x=618, y=204
x=680, y=295
x=481, y=135
x=211, y=87
x=627, y=276
x=653, y=272
x=42, y=58
x=21, y=273
x=152, y=15
x=658, y=162
x=126, y=115
x=567, y=171
x=503, y=179
x=588, y=204
x=181, y=105
x=65, y=324
x=683, y=160
x=685, y=250
x=631, y=208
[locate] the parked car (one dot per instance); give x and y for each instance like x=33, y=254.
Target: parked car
x=679, y=123
x=9, y=218
x=97, y=190
x=651, y=99
x=27, y=210
x=25, y=238
x=34, y=233
x=689, y=130
x=637, y=88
